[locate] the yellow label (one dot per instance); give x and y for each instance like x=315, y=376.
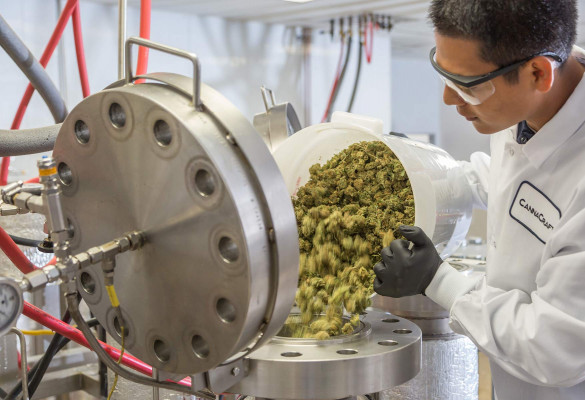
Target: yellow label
x=47, y=172
x=113, y=296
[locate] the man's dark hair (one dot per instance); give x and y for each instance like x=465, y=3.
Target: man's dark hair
x=509, y=30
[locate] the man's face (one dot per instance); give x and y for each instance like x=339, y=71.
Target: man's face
x=506, y=107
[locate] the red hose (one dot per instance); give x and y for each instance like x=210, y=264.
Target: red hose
x=369, y=48
x=79, y=51
x=53, y=42
x=75, y=335
x=336, y=82
x=141, y=67
x=14, y=253
x=36, y=179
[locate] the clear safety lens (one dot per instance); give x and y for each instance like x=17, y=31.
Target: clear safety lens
x=474, y=95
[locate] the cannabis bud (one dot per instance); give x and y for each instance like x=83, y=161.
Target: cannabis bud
x=350, y=209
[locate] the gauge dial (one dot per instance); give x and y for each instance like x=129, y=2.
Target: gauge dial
x=10, y=304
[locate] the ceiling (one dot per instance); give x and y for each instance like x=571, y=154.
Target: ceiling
x=411, y=36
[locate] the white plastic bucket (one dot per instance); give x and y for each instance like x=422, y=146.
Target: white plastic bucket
x=442, y=196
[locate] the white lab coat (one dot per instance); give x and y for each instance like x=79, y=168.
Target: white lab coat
x=528, y=313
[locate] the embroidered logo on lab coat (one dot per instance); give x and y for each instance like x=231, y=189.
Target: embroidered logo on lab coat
x=535, y=211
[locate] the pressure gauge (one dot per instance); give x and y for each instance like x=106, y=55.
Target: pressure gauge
x=10, y=304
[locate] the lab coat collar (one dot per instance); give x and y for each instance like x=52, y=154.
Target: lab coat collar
x=558, y=130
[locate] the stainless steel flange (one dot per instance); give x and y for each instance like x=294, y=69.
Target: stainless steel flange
x=218, y=272
x=384, y=352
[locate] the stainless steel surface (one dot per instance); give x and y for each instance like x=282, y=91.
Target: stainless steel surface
x=170, y=50
x=219, y=225
x=23, y=362
x=66, y=381
x=73, y=306
x=418, y=306
x=449, y=372
x=385, y=356
x=278, y=122
x=222, y=378
x=122, y=7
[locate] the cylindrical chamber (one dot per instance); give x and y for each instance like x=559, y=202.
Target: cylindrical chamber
x=220, y=261
x=449, y=371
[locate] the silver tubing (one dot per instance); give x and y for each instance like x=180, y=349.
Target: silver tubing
x=73, y=305
x=122, y=7
x=23, y=362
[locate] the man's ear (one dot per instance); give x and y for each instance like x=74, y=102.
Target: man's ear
x=542, y=73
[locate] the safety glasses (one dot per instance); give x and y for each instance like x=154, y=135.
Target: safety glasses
x=477, y=89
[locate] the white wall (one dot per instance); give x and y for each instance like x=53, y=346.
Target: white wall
x=414, y=97
x=373, y=97
x=417, y=107
x=236, y=57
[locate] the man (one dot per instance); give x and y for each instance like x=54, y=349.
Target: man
x=510, y=68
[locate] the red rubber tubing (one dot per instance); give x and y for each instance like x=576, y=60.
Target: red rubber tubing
x=145, y=11
x=336, y=82
x=75, y=335
x=14, y=253
x=53, y=42
x=79, y=51
x=36, y=179
x=369, y=49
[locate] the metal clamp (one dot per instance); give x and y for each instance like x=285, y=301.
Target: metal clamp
x=170, y=50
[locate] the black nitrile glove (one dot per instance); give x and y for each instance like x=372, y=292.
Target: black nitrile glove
x=404, y=272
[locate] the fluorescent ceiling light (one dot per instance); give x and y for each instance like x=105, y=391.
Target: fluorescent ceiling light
x=298, y=1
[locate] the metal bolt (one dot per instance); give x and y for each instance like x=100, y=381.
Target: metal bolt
x=235, y=371
x=230, y=138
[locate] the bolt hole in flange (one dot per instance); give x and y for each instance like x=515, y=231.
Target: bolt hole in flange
x=65, y=174
x=162, y=133
x=82, y=132
x=226, y=310
x=162, y=351
x=347, y=352
x=117, y=115
x=118, y=328
x=402, y=331
x=200, y=347
x=390, y=320
x=228, y=249
x=388, y=343
x=291, y=354
x=88, y=283
x=204, y=183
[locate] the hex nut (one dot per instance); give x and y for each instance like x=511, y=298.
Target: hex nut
x=84, y=260
x=37, y=279
x=53, y=273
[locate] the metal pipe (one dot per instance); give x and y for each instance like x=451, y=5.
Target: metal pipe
x=73, y=305
x=28, y=141
x=23, y=362
x=33, y=70
x=122, y=7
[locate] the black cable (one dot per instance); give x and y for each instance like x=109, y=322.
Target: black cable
x=341, y=76
x=46, y=361
x=25, y=241
x=37, y=372
x=357, y=78
x=103, y=370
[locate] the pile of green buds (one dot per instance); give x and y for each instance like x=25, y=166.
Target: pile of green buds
x=350, y=209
